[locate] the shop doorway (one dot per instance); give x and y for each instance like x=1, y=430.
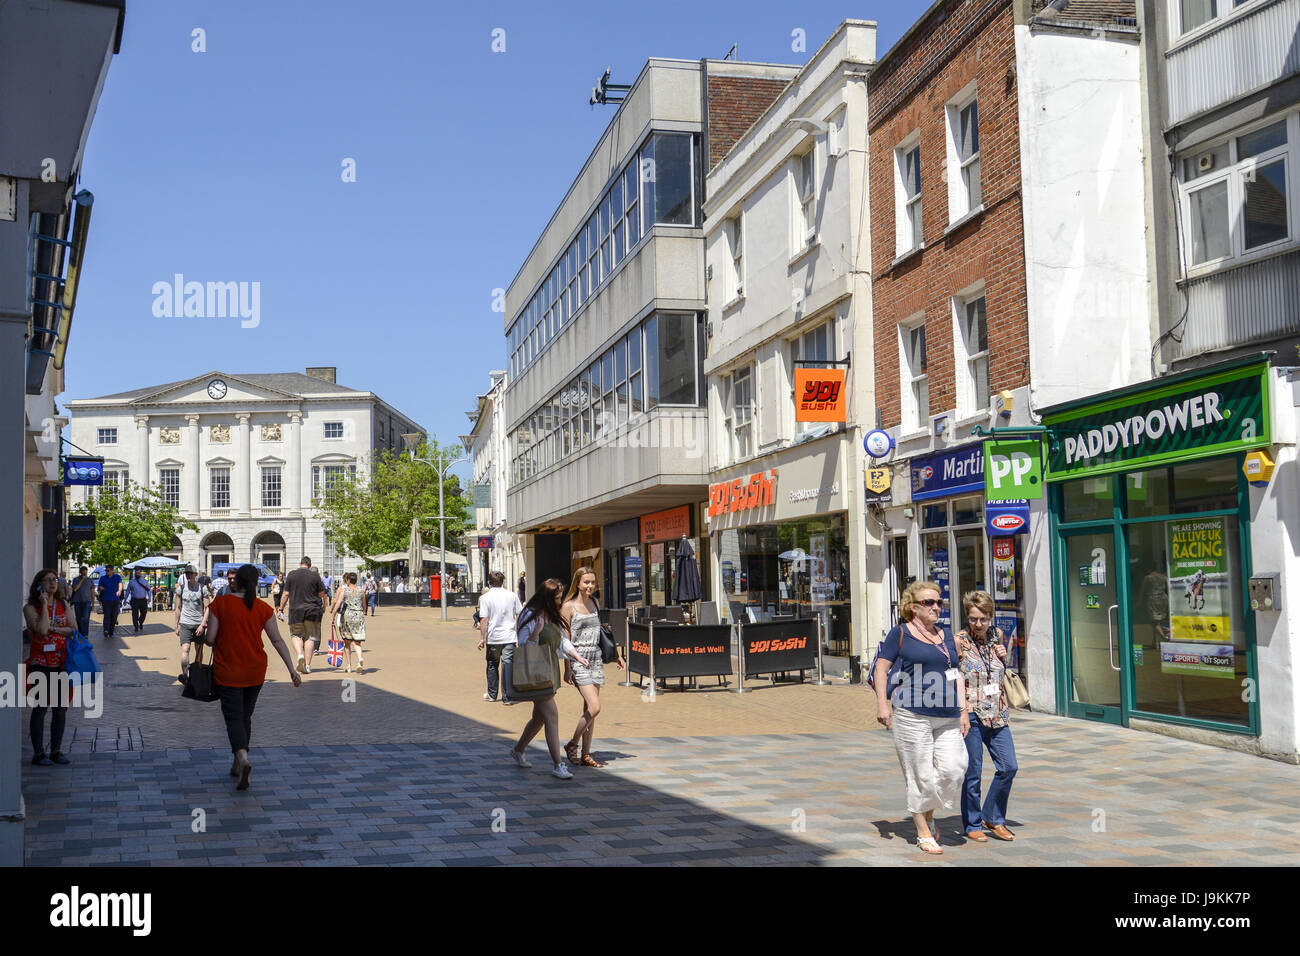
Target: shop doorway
x=1091, y=615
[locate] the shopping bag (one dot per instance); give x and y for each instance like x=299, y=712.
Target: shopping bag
x=200, y=684
x=534, y=668
x=81, y=663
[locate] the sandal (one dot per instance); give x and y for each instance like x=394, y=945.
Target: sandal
x=929, y=845
x=589, y=761
x=571, y=751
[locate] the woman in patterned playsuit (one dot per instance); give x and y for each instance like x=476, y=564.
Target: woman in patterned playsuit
x=582, y=620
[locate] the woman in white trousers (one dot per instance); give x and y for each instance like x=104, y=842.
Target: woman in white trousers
x=919, y=695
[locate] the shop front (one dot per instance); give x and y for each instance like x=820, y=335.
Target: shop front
x=1152, y=549
x=965, y=543
x=781, y=541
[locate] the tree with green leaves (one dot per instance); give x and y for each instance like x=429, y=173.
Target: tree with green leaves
x=130, y=523
x=371, y=514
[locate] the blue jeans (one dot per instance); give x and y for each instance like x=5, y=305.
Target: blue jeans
x=373, y=601
x=82, y=611
x=1003, y=750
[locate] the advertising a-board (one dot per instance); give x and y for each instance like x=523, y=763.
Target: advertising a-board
x=780, y=646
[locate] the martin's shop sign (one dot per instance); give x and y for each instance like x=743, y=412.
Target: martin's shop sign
x=955, y=472
x=1192, y=417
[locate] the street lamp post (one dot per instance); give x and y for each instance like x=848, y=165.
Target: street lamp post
x=440, y=467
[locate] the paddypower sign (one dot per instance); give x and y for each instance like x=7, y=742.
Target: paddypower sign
x=1013, y=469
x=1213, y=414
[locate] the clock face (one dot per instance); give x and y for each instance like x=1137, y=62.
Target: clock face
x=217, y=388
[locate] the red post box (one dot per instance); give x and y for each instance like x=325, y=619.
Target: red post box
x=435, y=588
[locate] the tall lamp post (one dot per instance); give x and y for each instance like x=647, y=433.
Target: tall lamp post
x=440, y=467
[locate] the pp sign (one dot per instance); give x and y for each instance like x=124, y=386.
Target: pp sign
x=1013, y=469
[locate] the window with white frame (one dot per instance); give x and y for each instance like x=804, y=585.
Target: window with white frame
x=107, y=436
x=815, y=345
x=972, y=358
x=736, y=246
x=271, y=497
x=115, y=480
x=739, y=411
x=169, y=483
x=915, y=377
x=964, y=192
x=1194, y=14
x=325, y=478
x=805, y=168
x=1235, y=194
x=907, y=193
x=333, y=429
x=219, y=486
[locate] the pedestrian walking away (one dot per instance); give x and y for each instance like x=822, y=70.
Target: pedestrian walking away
x=539, y=623
x=110, y=598
x=922, y=702
x=521, y=587
x=140, y=595
x=350, y=607
x=983, y=650
x=220, y=585
x=372, y=592
x=83, y=600
x=498, y=609
x=45, y=639
x=304, y=597
x=277, y=588
x=191, y=603
x=236, y=622
x=581, y=620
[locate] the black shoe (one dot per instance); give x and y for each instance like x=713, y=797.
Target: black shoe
x=40, y=760
x=58, y=757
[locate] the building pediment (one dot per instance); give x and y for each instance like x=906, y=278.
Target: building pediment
x=218, y=390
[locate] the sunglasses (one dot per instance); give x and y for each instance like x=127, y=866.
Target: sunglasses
x=931, y=602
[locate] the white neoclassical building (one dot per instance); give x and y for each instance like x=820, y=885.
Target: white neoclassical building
x=243, y=456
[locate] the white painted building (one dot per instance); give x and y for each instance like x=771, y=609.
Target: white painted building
x=488, y=450
x=788, y=254
x=243, y=456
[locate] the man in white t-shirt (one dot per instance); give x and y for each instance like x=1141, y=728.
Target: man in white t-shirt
x=498, y=609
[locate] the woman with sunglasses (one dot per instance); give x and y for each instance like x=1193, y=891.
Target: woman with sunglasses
x=983, y=650
x=923, y=702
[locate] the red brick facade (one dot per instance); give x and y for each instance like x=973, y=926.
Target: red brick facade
x=961, y=42
x=735, y=102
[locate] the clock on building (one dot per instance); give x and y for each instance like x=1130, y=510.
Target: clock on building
x=216, y=389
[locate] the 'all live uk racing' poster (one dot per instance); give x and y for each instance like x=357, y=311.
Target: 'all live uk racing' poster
x=1199, y=594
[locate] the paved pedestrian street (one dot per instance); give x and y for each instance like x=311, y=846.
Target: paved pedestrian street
x=415, y=770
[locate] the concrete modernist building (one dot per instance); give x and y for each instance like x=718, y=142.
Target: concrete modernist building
x=243, y=456
x=54, y=61
x=788, y=260
x=490, y=546
x=1006, y=206
x=605, y=401
x=1186, y=485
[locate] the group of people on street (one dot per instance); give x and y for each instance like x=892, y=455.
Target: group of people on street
x=944, y=699
x=568, y=626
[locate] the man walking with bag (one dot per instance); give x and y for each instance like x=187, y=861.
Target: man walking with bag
x=140, y=595
x=304, y=596
x=497, y=609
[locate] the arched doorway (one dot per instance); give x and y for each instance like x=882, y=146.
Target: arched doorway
x=268, y=549
x=176, y=550
x=216, y=548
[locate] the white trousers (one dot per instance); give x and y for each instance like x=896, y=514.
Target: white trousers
x=932, y=753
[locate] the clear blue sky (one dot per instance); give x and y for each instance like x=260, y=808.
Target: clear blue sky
x=225, y=166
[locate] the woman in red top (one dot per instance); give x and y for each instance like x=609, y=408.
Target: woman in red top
x=46, y=635
x=235, y=624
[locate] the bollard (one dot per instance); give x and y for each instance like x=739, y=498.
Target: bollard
x=821, y=680
x=627, y=654
x=740, y=688
x=652, y=694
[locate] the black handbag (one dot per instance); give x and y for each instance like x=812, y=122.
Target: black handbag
x=200, y=684
x=608, y=649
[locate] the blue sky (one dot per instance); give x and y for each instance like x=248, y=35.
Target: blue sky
x=226, y=166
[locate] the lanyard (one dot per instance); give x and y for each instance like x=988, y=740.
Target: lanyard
x=942, y=645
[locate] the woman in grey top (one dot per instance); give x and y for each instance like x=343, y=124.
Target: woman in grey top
x=581, y=619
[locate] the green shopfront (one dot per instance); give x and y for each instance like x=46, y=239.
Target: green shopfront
x=1151, y=549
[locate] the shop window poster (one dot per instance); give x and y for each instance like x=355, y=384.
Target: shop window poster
x=1004, y=569
x=820, y=579
x=1009, y=623
x=937, y=571
x=1200, y=589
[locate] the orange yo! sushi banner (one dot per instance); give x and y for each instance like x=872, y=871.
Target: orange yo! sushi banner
x=819, y=395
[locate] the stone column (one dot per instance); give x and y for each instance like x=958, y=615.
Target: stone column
x=243, y=465
x=293, y=466
x=142, y=451
x=192, y=477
